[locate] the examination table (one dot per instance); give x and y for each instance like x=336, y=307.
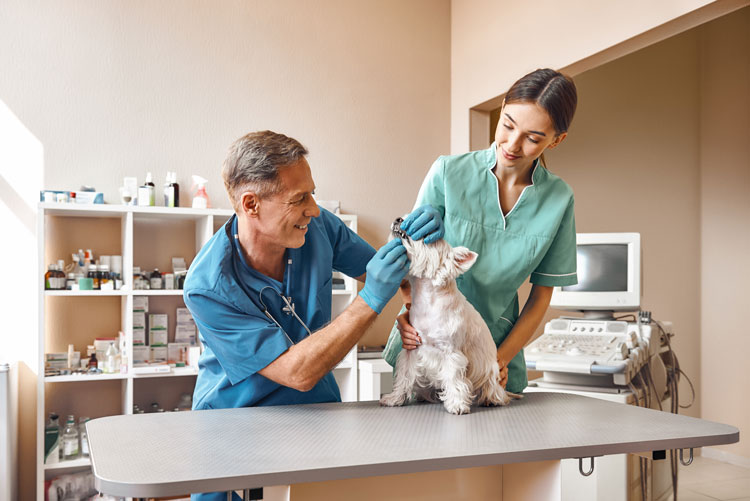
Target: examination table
x=234, y=449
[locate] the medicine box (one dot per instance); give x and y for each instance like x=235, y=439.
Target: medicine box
x=101, y=344
x=157, y=321
x=141, y=354
x=139, y=319
x=184, y=316
x=185, y=334
x=140, y=303
x=157, y=337
x=177, y=354
x=60, y=360
x=139, y=336
x=158, y=354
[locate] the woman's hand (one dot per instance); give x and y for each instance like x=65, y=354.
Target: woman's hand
x=409, y=335
x=503, y=379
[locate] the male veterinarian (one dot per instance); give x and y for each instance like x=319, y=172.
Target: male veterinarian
x=260, y=289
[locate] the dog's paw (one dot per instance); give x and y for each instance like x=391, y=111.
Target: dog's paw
x=392, y=400
x=457, y=407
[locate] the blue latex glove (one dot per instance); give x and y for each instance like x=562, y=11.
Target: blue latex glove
x=385, y=271
x=424, y=222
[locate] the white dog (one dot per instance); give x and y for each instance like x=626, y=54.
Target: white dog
x=457, y=360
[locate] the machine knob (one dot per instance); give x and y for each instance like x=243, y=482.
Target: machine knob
x=574, y=351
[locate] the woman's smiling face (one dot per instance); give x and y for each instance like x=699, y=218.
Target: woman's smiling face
x=524, y=131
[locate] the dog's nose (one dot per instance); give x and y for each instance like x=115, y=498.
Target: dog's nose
x=396, y=228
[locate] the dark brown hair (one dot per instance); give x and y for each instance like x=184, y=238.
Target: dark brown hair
x=550, y=89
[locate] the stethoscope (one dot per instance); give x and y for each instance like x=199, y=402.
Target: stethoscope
x=287, y=300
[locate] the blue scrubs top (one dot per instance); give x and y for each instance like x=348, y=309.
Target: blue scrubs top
x=223, y=293
x=536, y=239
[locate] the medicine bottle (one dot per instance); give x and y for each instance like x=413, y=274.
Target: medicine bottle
x=156, y=281
x=70, y=439
x=93, y=362
x=93, y=274
x=84, y=446
x=70, y=281
x=104, y=276
x=50, y=280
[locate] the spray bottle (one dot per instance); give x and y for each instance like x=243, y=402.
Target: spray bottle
x=200, y=198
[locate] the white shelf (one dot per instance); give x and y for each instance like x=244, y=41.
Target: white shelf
x=175, y=372
x=93, y=293
x=68, y=464
x=130, y=220
x=158, y=292
x=83, y=378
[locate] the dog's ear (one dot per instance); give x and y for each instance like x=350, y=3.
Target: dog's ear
x=464, y=258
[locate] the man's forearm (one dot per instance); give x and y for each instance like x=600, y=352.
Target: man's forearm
x=304, y=364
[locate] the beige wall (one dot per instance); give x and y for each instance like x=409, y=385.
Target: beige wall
x=659, y=146
x=725, y=223
x=494, y=43
x=114, y=89
x=632, y=158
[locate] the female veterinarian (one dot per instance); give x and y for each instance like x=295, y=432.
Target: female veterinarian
x=505, y=205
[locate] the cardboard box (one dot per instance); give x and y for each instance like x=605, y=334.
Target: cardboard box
x=177, y=354
x=140, y=303
x=157, y=337
x=141, y=354
x=185, y=334
x=139, y=319
x=184, y=316
x=157, y=321
x=158, y=354
x=139, y=336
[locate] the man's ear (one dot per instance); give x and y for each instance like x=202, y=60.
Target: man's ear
x=464, y=258
x=250, y=203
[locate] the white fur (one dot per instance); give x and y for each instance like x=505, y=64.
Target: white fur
x=457, y=360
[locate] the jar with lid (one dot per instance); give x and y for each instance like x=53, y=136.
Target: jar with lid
x=93, y=274
x=104, y=277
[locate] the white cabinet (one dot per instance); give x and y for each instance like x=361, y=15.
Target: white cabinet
x=147, y=237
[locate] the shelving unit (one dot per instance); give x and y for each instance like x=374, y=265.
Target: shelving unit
x=147, y=237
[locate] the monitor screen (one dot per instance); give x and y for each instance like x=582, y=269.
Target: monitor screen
x=601, y=268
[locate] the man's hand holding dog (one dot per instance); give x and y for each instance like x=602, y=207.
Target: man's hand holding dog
x=503, y=371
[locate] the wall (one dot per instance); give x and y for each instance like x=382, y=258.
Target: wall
x=659, y=146
x=114, y=89
x=725, y=223
x=494, y=43
x=632, y=158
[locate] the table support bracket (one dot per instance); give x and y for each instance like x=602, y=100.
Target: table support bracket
x=690, y=459
x=591, y=466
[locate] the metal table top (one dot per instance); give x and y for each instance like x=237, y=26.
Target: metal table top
x=216, y=450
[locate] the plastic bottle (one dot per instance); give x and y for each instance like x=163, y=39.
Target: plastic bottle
x=171, y=191
x=60, y=275
x=70, y=439
x=52, y=439
x=93, y=274
x=111, y=356
x=200, y=199
x=84, y=446
x=147, y=192
x=104, y=276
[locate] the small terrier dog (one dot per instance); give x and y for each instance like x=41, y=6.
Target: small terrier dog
x=457, y=360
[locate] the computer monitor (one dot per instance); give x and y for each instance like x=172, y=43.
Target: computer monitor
x=609, y=275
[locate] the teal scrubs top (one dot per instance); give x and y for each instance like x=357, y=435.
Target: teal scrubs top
x=536, y=239
x=224, y=293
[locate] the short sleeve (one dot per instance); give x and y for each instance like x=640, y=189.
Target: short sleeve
x=351, y=253
x=432, y=190
x=243, y=343
x=558, y=266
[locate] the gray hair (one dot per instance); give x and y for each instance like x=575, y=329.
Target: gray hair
x=253, y=163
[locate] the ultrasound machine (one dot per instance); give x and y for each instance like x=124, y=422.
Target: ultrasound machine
x=613, y=351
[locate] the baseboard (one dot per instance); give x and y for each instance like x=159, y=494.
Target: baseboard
x=725, y=457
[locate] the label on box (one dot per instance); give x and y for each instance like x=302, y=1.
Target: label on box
x=184, y=316
x=157, y=337
x=139, y=336
x=139, y=319
x=177, y=354
x=158, y=354
x=157, y=321
x=141, y=354
x=140, y=303
x=185, y=334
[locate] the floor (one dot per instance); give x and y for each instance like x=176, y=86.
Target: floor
x=708, y=480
